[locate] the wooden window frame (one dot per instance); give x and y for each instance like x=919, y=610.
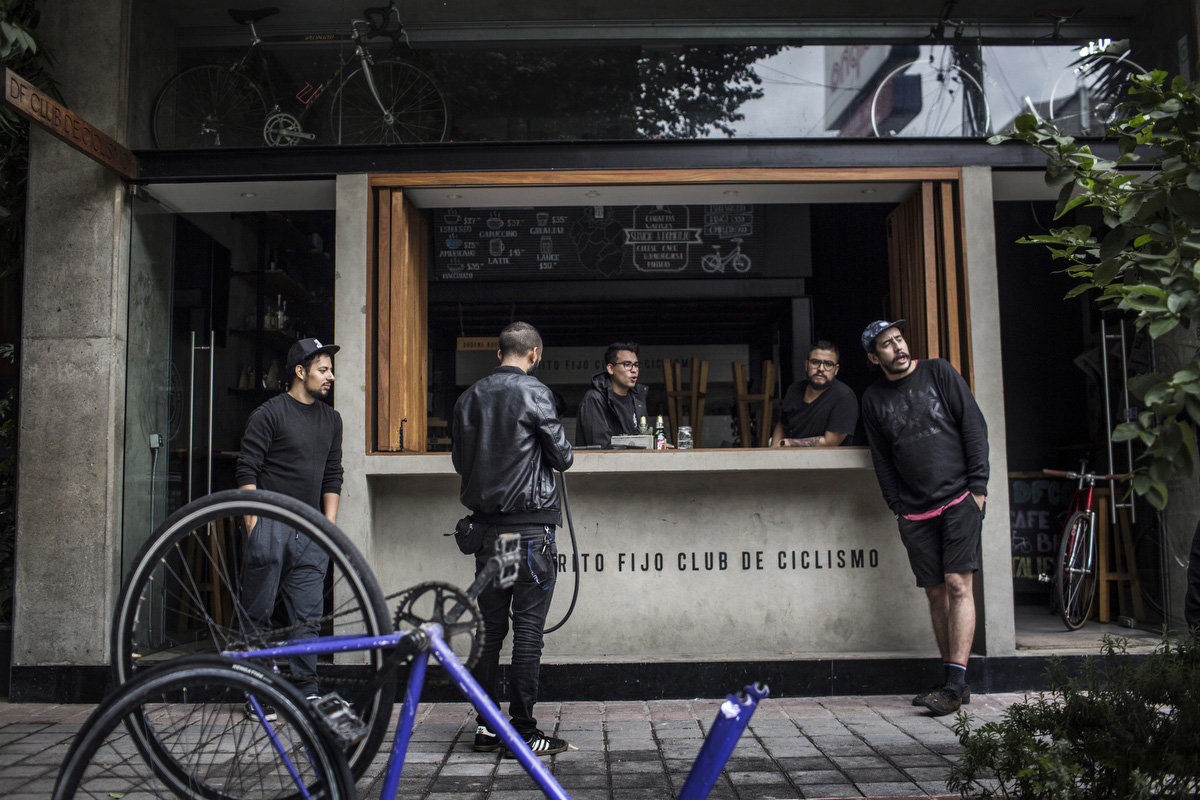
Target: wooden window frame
x=399, y=341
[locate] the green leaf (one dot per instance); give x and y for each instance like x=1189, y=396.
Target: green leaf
x=1186, y=203
x=1160, y=326
x=1126, y=432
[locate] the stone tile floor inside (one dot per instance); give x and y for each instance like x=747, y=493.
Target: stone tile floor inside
x=875, y=746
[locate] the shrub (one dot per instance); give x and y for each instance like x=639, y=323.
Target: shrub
x=1125, y=728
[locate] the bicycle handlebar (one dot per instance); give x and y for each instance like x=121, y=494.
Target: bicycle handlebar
x=1058, y=473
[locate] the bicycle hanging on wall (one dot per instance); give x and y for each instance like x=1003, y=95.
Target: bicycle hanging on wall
x=374, y=101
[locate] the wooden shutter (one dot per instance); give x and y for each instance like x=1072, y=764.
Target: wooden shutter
x=928, y=275
x=399, y=323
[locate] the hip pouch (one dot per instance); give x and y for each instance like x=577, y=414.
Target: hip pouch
x=468, y=538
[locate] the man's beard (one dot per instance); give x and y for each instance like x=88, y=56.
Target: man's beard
x=533, y=369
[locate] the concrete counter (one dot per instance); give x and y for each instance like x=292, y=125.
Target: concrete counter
x=697, y=555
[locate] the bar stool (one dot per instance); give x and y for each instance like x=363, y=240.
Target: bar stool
x=743, y=399
x=205, y=564
x=694, y=394
x=1116, y=563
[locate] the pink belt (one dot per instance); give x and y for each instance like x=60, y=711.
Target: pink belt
x=937, y=512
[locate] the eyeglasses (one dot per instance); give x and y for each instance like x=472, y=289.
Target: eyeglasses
x=629, y=365
x=817, y=363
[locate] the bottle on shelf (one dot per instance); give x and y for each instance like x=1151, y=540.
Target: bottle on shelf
x=660, y=434
x=643, y=426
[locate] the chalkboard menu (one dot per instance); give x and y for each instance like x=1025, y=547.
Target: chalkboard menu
x=1037, y=505
x=601, y=242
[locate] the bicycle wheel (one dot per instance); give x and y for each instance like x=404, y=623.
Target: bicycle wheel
x=206, y=745
x=1075, y=572
x=1085, y=99
x=921, y=98
x=413, y=108
x=183, y=595
x=209, y=106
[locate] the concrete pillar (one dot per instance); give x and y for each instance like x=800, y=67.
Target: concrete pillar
x=994, y=634
x=72, y=359
x=352, y=219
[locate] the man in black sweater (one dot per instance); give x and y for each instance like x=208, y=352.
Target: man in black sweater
x=292, y=445
x=615, y=402
x=507, y=443
x=929, y=444
x=820, y=411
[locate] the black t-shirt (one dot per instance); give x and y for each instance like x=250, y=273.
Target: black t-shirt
x=293, y=448
x=835, y=409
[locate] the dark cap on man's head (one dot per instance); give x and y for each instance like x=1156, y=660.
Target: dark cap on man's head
x=875, y=328
x=305, y=349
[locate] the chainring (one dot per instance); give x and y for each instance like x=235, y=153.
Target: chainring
x=435, y=602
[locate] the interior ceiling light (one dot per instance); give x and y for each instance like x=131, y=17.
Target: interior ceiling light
x=868, y=191
x=591, y=193
x=730, y=192
x=454, y=197
x=248, y=195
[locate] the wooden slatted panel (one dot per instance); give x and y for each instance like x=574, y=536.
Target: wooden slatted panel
x=378, y=320
x=408, y=324
x=928, y=274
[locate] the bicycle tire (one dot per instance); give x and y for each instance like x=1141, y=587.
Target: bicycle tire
x=1075, y=571
x=1101, y=85
x=410, y=96
x=163, y=577
x=940, y=112
x=206, y=746
x=209, y=106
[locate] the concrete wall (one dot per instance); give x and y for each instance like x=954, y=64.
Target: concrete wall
x=994, y=632
x=73, y=355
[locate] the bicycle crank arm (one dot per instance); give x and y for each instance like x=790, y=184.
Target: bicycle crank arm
x=308, y=137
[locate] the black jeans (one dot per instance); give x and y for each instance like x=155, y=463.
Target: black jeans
x=529, y=598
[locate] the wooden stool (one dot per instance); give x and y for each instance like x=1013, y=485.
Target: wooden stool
x=439, y=434
x=695, y=395
x=743, y=398
x=205, y=564
x=1116, y=563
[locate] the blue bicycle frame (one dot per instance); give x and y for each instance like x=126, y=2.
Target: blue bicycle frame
x=730, y=723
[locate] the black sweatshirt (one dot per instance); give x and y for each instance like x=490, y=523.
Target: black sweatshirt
x=293, y=448
x=928, y=437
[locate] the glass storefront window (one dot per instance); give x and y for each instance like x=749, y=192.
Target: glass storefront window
x=304, y=85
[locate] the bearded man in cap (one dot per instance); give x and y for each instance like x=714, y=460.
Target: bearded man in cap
x=292, y=445
x=929, y=444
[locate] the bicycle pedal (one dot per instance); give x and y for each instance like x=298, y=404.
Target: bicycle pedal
x=339, y=718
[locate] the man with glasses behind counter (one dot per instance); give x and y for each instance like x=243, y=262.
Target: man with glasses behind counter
x=820, y=411
x=615, y=402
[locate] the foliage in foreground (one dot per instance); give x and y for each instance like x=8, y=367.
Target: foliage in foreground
x=1125, y=729
x=1143, y=259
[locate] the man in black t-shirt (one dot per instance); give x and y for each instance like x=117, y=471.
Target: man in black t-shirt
x=292, y=445
x=820, y=411
x=929, y=445
x=615, y=402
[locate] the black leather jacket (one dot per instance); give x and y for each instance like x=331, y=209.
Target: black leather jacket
x=507, y=443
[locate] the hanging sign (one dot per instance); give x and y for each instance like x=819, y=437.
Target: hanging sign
x=39, y=108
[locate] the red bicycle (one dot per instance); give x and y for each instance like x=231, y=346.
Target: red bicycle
x=1075, y=568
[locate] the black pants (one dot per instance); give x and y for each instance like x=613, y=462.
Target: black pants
x=529, y=599
x=1191, y=603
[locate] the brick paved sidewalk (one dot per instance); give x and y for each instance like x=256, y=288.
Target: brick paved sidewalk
x=878, y=746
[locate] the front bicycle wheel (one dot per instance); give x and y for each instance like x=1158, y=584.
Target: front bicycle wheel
x=921, y=98
x=209, y=106
x=1086, y=97
x=410, y=107
x=209, y=740
x=185, y=594
x=1075, y=573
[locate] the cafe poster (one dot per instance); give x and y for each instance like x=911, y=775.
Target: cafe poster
x=599, y=243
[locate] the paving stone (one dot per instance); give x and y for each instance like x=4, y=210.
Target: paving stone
x=889, y=789
x=831, y=790
x=885, y=775
x=818, y=776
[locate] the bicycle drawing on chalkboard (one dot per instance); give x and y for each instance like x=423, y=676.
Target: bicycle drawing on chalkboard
x=735, y=258
x=375, y=101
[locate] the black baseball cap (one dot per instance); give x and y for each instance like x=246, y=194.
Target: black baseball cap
x=304, y=349
x=875, y=328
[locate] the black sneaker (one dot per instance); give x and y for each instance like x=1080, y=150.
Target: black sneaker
x=540, y=744
x=945, y=700
x=966, y=695
x=485, y=740
x=268, y=712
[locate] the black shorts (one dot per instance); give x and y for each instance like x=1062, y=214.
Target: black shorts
x=943, y=545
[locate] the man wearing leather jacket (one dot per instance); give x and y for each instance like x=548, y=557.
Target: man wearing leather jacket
x=508, y=441
x=615, y=402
